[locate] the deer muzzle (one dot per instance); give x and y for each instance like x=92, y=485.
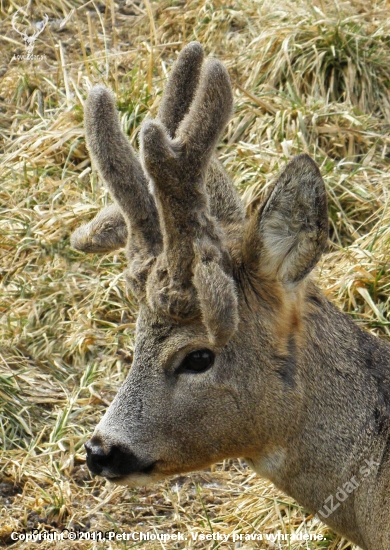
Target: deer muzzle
x=114, y=461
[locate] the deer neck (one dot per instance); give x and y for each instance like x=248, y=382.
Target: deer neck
x=339, y=443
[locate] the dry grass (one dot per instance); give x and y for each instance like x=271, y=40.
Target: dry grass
x=307, y=77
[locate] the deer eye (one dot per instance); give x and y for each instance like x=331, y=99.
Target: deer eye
x=197, y=361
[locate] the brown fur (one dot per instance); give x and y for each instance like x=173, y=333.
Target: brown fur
x=296, y=387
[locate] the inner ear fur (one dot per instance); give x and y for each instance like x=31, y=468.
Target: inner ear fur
x=287, y=235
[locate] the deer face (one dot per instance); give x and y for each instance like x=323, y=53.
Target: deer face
x=180, y=392
x=219, y=294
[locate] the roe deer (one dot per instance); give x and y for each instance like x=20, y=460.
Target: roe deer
x=238, y=353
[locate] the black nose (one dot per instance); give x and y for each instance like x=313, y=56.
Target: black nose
x=113, y=460
x=98, y=458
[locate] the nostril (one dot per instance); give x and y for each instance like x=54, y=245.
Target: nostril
x=98, y=457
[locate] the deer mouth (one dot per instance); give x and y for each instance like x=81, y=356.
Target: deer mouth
x=136, y=479
x=121, y=479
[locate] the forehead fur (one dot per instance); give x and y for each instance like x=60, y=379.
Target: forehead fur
x=160, y=337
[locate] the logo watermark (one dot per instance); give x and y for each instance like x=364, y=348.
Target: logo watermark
x=29, y=39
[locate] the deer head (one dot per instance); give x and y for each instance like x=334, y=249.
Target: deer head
x=219, y=294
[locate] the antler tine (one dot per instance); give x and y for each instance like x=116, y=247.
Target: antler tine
x=121, y=170
x=179, y=92
x=177, y=167
x=181, y=87
x=106, y=232
x=209, y=113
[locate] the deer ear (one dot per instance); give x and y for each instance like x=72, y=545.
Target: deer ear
x=288, y=234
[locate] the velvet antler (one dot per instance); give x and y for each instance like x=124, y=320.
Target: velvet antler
x=193, y=249
x=176, y=242
x=108, y=230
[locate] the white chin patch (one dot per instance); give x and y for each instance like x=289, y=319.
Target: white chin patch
x=137, y=480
